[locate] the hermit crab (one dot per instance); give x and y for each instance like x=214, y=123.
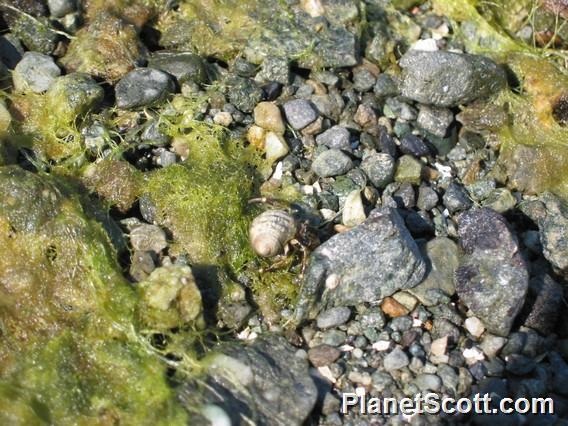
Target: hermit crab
x=277, y=230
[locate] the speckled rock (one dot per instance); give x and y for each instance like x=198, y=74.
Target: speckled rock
x=262, y=382
x=448, y=79
x=367, y=263
x=492, y=278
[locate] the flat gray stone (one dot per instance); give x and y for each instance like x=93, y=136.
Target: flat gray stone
x=261, y=383
x=36, y=72
x=449, y=79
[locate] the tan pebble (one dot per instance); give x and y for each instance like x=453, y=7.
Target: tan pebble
x=392, y=308
x=256, y=136
x=268, y=116
x=439, y=346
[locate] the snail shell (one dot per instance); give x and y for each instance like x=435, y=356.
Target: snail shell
x=270, y=232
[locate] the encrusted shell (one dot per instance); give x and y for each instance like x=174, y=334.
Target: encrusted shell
x=271, y=231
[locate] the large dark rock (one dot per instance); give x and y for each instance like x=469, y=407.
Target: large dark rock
x=554, y=232
x=492, y=278
x=184, y=66
x=448, y=79
x=366, y=264
x=142, y=87
x=261, y=383
x=546, y=303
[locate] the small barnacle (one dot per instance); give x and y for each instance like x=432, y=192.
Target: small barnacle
x=271, y=231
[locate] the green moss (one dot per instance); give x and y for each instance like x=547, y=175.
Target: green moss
x=203, y=200
x=275, y=290
x=47, y=123
x=71, y=349
x=216, y=28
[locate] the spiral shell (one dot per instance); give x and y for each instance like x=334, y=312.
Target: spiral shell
x=271, y=231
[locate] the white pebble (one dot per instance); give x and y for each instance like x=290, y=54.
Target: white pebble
x=354, y=211
x=275, y=146
x=474, y=326
x=223, y=118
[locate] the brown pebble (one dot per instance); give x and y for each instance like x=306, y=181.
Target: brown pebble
x=392, y=308
x=323, y=355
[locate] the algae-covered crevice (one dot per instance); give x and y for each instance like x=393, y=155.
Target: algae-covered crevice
x=71, y=350
x=534, y=151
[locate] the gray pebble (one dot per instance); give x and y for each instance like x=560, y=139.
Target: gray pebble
x=333, y=317
x=36, y=72
x=300, y=113
x=396, y=360
x=337, y=138
x=332, y=162
x=142, y=87
x=379, y=168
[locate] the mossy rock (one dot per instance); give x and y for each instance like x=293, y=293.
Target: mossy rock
x=106, y=48
x=71, y=351
x=171, y=299
x=115, y=181
x=48, y=122
x=203, y=201
x=224, y=29
x=534, y=151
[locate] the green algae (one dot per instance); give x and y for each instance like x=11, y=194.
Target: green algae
x=204, y=203
x=226, y=28
x=534, y=151
x=48, y=123
x=71, y=350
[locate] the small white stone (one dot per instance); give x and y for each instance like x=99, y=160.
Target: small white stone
x=346, y=348
x=382, y=345
x=307, y=189
x=332, y=281
x=327, y=214
x=425, y=45
x=472, y=355
x=439, y=346
x=474, y=326
x=314, y=8
x=278, y=172
x=358, y=353
x=275, y=146
x=353, y=211
x=5, y=117
x=216, y=415
x=326, y=372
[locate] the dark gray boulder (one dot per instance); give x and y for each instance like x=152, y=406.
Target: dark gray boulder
x=366, y=264
x=261, y=383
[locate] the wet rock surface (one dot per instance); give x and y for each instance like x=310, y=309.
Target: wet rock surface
x=417, y=150
x=263, y=382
